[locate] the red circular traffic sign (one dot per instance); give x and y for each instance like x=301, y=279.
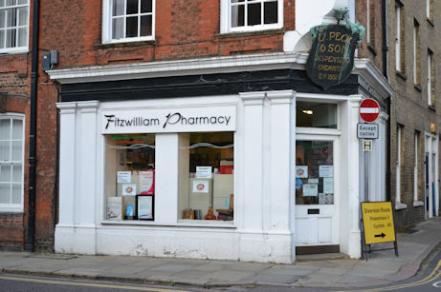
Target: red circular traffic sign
x=369, y=110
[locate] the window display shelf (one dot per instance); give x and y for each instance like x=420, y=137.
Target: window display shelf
x=181, y=223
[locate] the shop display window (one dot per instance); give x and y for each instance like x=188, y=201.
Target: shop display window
x=130, y=177
x=206, y=177
x=314, y=173
x=316, y=115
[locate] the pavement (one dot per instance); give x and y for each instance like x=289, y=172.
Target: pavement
x=326, y=271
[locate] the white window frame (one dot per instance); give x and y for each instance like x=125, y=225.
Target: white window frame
x=22, y=49
x=225, y=21
x=398, y=37
x=398, y=204
x=429, y=78
x=415, y=168
x=416, y=28
x=368, y=21
x=429, y=9
x=107, y=26
x=16, y=208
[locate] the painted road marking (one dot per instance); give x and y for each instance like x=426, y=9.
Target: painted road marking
x=437, y=284
x=427, y=280
x=83, y=284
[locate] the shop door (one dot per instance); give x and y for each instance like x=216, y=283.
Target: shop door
x=316, y=194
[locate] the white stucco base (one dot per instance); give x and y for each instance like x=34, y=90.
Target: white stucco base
x=175, y=242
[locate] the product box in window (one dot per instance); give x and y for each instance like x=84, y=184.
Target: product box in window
x=146, y=182
x=114, y=208
x=226, y=167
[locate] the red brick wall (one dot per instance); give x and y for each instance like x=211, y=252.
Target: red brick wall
x=14, y=80
x=184, y=29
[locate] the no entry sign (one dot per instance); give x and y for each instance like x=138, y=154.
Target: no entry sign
x=369, y=110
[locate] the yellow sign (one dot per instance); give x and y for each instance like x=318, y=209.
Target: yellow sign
x=378, y=222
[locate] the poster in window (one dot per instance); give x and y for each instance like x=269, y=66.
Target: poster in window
x=146, y=182
x=326, y=171
x=302, y=171
x=145, y=207
x=124, y=177
x=129, y=189
x=328, y=185
x=200, y=186
x=310, y=190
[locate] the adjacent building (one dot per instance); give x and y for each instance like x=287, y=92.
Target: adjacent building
x=413, y=71
x=27, y=208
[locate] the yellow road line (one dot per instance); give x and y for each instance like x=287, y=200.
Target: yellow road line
x=432, y=276
x=83, y=284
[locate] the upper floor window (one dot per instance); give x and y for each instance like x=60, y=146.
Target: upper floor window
x=11, y=163
x=14, y=18
x=128, y=20
x=400, y=52
x=251, y=15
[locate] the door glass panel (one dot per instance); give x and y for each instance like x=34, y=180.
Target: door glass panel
x=314, y=173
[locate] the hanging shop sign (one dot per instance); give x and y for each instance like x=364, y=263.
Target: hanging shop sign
x=331, y=57
x=369, y=110
x=222, y=118
x=378, y=224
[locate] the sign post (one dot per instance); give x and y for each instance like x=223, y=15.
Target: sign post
x=369, y=112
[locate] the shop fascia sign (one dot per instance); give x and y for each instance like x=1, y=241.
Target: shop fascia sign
x=331, y=57
x=201, y=119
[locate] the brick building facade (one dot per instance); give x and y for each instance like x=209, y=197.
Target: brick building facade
x=15, y=73
x=192, y=51
x=413, y=41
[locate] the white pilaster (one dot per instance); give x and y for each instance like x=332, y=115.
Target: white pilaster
x=278, y=169
x=350, y=234
x=67, y=163
x=167, y=179
x=252, y=163
x=85, y=195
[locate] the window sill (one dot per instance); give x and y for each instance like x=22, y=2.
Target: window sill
x=181, y=223
x=5, y=52
x=11, y=211
x=431, y=107
x=401, y=75
x=372, y=49
x=124, y=44
x=417, y=87
x=400, y=206
x=418, y=203
x=246, y=33
x=430, y=21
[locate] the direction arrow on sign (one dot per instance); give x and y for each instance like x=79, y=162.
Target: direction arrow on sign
x=369, y=110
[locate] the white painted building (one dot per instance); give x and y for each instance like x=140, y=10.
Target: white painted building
x=286, y=172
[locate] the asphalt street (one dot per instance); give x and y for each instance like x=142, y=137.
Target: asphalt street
x=25, y=283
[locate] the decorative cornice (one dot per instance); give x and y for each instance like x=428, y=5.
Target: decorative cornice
x=252, y=62
x=371, y=75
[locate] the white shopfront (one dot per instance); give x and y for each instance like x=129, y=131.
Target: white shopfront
x=251, y=176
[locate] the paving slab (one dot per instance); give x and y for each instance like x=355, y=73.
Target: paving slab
x=382, y=268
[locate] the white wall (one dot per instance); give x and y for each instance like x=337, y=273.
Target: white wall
x=262, y=227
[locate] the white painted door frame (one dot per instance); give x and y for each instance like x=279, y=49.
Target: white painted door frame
x=312, y=134
x=431, y=175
